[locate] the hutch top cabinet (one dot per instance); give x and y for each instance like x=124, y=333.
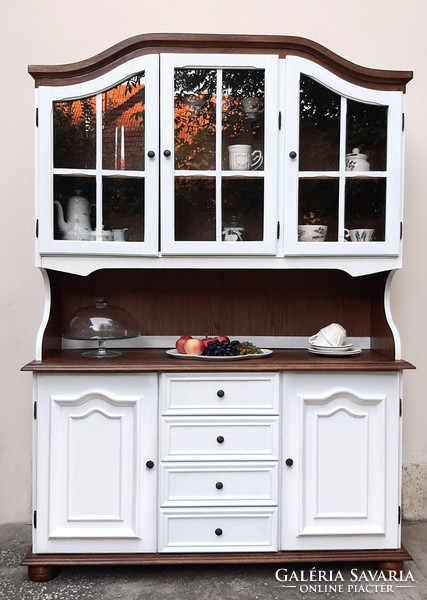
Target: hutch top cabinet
x=268, y=148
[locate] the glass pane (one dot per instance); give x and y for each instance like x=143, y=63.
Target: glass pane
x=195, y=118
x=242, y=209
x=74, y=212
x=74, y=134
x=195, y=209
x=365, y=209
x=242, y=119
x=319, y=127
x=367, y=131
x=123, y=208
x=123, y=113
x=318, y=210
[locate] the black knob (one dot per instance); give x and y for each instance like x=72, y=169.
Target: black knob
x=219, y=485
x=292, y=154
x=167, y=153
x=149, y=464
x=218, y=531
x=151, y=154
x=289, y=462
x=220, y=439
x=220, y=393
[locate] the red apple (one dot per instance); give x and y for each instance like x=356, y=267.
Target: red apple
x=180, y=343
x=206, y=341
x=222, y=338
x=194, y=346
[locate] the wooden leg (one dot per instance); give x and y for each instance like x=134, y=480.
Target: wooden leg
x=388, y=567
x=41, y=573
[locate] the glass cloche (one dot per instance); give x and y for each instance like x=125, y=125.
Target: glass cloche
x=101, y=322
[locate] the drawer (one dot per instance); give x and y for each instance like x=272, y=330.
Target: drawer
x=226, y=530
x=219, y=438
x=243, y=393
x=219, y=483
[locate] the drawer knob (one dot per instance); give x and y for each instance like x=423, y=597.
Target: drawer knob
x=218, y=531
x=220, y=439
x=289, y=462
x=219, y=485
x=220, y=393
x=149, y=464
x=151, y=154
x=292, y=154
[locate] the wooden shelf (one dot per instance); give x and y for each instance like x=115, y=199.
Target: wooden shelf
x=146, y=361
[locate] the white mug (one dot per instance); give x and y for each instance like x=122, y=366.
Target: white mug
x=312, y=233
x=359, y=235
x=331, y=335
x=241, y=158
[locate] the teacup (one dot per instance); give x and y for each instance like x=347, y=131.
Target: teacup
x=242, y=158
x=359, y=235
x=312, y=233
x=331, y=335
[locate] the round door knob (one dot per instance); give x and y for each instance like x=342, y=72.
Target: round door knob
x=220, y=393
x=289, y=462
x=219, y=485
x=151, y=154
x=292, y=154
x=149, y=464
x=218, y=531
x=220, y=439
x=167, y=153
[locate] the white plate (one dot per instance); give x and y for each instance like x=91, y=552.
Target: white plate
x=318, y=346
x=174, y=352
x=335, y=352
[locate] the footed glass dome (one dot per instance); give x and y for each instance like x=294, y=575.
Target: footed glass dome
x=101, y=322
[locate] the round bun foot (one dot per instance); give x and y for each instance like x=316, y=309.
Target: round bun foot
x=392, y=566
x=40, y=573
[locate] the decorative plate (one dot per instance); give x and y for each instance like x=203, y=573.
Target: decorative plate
x=175, y=354
x=351, y=352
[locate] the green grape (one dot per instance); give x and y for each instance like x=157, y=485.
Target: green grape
x=247, y=348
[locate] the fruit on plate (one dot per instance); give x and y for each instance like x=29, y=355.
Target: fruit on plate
x=207, y=339
x=221, y=348
x=247, y=348
x=179, y=345
x=222, y=338
x=194, y=346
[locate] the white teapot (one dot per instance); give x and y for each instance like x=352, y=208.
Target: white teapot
x=77, y=227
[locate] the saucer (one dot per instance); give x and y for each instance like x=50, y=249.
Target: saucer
x=335, y=351
x=343, y=346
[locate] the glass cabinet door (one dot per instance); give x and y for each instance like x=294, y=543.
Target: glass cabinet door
x=98, y=141
x=219, y=157
x=342, y=165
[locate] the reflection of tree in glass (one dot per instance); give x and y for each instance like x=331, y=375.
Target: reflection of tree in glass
x=319, y=126
x=74, y=133
x=367, y=130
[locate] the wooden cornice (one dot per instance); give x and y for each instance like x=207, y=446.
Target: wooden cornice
x=217, y=43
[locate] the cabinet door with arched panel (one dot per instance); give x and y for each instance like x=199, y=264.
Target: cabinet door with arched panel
x=343, y=154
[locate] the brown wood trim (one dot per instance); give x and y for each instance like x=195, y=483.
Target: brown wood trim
x=217, y=43
x=41, y=567
x=149, y=361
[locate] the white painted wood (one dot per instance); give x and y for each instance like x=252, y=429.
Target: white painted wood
x=45, y=207
x=169, y=245
x=195, y=438
x=197, y=394
x=342, y=432
x=394, y=102
x=243, y=484
x=243, y=530
x=94, y=434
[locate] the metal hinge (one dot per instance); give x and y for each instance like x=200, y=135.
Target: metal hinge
x=35, y=519
x=401, y=229
x=400, y=407
x=278, y=229
x=398, y=515
x=35, y=410
x=280, y=119
x=37, y=228
x=403, y=121
x=37, y=117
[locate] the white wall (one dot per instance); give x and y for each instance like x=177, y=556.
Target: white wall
x=387, y=34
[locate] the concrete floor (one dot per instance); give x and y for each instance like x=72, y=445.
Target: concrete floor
x=210, y=582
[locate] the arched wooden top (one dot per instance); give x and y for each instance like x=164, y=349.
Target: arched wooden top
x=218, y=43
